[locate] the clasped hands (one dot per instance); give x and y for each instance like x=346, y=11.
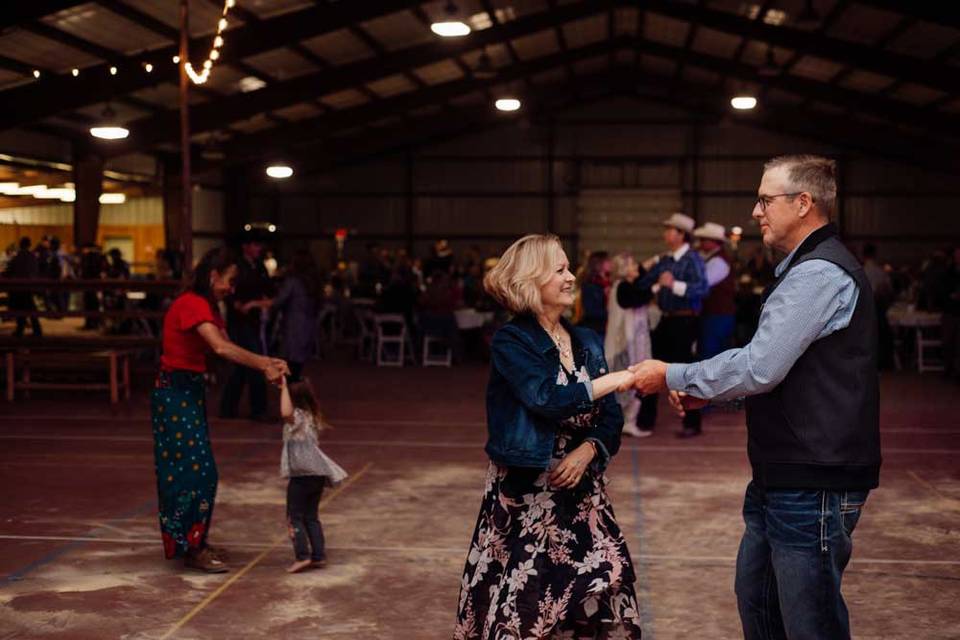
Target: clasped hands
x=650, y=376
x=275, y=369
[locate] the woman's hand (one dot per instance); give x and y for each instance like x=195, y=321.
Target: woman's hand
x=627, y=379
x=274, y=369
x=568, y=473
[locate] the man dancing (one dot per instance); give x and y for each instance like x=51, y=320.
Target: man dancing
x=810, y=372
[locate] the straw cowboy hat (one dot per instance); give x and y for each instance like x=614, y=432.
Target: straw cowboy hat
x=681, y=222
x=711, y=231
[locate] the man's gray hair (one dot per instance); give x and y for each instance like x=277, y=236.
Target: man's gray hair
x=814, y=174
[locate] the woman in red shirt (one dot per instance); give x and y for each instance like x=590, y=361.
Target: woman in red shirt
x=186, y=471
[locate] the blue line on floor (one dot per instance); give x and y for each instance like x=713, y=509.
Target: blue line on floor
x=67, y=548
x=56, y=553
x=640, y=566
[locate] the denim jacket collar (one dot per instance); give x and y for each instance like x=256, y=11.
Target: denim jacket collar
x=541, y=339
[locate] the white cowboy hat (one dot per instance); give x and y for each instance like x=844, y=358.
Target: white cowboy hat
x=711, y=231
x=681, y=222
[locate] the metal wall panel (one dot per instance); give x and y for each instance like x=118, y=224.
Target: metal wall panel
x=497, y=175
x=480, y=215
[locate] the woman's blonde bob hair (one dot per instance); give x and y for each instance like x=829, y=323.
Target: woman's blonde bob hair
x=523, y=268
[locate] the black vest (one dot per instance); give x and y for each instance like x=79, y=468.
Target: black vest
x=820, y=427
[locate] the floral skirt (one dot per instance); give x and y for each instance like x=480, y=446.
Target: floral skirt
x=186, y=471
x=547, y=563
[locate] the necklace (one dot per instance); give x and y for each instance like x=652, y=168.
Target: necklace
x=565, y=351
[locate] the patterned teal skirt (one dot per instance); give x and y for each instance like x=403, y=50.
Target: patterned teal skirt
x=186, y=471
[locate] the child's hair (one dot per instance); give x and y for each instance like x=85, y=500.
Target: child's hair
x=302, y=397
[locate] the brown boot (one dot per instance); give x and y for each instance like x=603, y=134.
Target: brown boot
x=219, y=553
x=204, y=561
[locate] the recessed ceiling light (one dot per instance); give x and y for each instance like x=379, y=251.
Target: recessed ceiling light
x=452, y=26
x=250, y=83
x=279, y=171
x=507, y=104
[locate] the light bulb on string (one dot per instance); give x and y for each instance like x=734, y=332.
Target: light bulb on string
x=113, y=71
x=36, y=73
x=148, y=67
x=75, y=72
x=214, y=54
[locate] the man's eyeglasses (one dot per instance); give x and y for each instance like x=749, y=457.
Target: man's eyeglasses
x=764, y=201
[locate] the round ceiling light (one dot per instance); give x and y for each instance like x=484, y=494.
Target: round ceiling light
x=507, y=104
x=743, y=103
x=279, y=171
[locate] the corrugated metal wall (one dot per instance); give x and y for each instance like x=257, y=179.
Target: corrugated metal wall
x=489, y=188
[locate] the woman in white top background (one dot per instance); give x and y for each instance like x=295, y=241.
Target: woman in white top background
x=627, y=339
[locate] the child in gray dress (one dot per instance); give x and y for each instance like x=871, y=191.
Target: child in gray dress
x=309, y=470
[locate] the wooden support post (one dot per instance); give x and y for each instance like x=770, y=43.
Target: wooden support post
x=10, y=374
x=126, y=375
x=88, y=180
x=551, y=197
x=411, y=203
x=114, y=392
x=186, y=201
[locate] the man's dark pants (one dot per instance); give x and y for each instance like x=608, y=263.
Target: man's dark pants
x=672, y=341
x=247, y=336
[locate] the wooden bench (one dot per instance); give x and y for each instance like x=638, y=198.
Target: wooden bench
x=116, y=362
x=26, y=356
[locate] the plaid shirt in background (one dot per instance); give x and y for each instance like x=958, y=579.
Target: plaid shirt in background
x=688, y=270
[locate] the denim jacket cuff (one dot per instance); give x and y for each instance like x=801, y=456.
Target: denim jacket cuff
x=603, y=456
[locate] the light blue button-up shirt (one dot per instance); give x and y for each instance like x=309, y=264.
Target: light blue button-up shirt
x=814, y=300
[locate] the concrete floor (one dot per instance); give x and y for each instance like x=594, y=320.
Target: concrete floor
x=81, y=557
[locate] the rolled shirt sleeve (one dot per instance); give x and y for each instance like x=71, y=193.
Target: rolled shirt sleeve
x=815, y=299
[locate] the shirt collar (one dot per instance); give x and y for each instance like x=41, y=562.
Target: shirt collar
x=786, y=261
x=679, y=253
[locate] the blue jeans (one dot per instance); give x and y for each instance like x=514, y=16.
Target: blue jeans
x=791, y=560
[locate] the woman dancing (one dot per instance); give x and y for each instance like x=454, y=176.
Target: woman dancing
x=547, y=558
x=186, y=471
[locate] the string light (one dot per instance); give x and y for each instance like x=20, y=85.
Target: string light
x=113, y=71
x=36, y=73
x=204, y=75
x=148, y=67
x=75, y=72
x=176, y=59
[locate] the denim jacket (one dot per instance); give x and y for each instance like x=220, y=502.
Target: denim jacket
x=525, y=405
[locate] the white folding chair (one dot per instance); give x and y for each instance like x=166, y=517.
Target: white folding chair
x=434, y=357
x=391, y=332
x=924, y=362
x=367, y=338
x=326, y=329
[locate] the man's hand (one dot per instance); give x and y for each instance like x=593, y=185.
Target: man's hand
x=682, y=402
x=650, y=376
x=665, y=279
